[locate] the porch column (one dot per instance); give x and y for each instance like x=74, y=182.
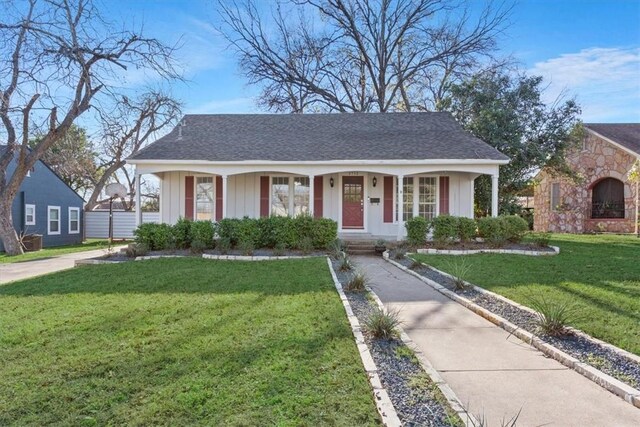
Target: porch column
x=137, y=198
x=311, y=195
x=494, y=195
x=400, y=199
x=225, y=196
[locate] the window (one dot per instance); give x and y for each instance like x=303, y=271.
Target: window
x=289, y=199
x=607, y=199
x=29, y=214
x=555, y=196
x=301, y=195
x=427, y=197
x=425, y=204
x=53, y=219
x=74, y=220
x=204, y=198
x=280, y=196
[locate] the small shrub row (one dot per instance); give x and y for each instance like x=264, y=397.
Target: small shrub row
x=185, y=234
x=446, y=229
x=302, y=232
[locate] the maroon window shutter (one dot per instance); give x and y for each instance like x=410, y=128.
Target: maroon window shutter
x=318, y=185
x=388, y=198
x=444, y=195
x=188, y=197
x=219, y=198
x=264, y=196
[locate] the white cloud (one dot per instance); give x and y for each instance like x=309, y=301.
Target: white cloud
x=605, y=81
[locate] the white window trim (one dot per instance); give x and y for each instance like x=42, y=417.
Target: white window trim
x=78, y=230
x=292, y=192
x=195, y=196
x=27, y=206
x=416, y=189
x=49, y=232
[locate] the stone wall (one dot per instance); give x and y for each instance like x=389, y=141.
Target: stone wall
x=599, y=159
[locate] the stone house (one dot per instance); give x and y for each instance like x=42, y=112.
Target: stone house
x=603, y=199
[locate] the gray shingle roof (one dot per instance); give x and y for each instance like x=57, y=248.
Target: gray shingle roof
x=319, y=137
x=625, y=134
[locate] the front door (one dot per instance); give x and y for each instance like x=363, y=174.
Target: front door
x=352, y=202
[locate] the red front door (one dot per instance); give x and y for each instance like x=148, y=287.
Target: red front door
x=352, y=202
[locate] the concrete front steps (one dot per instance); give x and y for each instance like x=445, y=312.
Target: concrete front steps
x=360, y=247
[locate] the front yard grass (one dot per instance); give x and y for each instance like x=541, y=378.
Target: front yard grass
x=181, y=342
x=600, y=274
x=88, y=245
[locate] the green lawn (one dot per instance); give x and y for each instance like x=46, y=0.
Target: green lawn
x=88, y=245
x=181, y=342
x=600, y=274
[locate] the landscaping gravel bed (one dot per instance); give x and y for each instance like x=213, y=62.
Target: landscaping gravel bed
x=413, y=394
x=583, y=349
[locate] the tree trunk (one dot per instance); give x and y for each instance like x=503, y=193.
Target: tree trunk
x=8, y=234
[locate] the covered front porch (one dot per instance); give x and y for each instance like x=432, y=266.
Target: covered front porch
x=365, y=200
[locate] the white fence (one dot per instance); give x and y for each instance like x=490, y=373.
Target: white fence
x=96, y=223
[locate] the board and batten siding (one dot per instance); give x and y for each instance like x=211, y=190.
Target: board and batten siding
x=96, y=223
x=244, y=197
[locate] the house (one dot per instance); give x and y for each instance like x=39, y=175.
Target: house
x=346, y=167
x=46, y=205
x=602, y=199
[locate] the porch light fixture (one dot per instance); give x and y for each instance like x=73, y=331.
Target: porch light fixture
x=331, y=182
x=375, y=181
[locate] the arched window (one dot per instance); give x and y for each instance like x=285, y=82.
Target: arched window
x=607, y=200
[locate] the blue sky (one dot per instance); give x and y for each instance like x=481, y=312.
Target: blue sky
x=584, y=48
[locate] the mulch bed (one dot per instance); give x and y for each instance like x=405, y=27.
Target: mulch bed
x=409, y=388
x=583, y=349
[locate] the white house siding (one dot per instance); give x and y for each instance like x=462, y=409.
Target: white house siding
x=244, y=198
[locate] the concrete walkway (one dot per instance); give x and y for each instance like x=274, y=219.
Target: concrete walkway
x=28, y=269
x=491, y=372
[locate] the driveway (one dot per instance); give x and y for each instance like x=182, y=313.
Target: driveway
x=493, y=373
x=28, y=269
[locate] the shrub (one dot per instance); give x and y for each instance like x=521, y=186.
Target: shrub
x=303, y=226
x=198, y=246
x=417, y=228
x=203, y=232
x=357, y=283
x=246, y=247
x=491, y=230
x=400, y=252
x=344, y=262
x=383, y=323
x=541, y=239
x=335, y=248
x=279, y=249
x=467, y=228
x=224, y=245
x=459, y=270
x=228, y=230
x=514, y=227
x=552, y=317
x=324, y=232
x=306, y=245
x=182, y=233
x=136, y=250
x=445, y=228
x=247, y=231
x=281, y=230
x=155, y=236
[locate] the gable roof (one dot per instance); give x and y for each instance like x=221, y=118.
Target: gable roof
x=625, y=134
x=319, y=137
x=4, y=148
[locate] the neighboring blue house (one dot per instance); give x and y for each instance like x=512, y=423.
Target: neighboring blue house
x=46, y=205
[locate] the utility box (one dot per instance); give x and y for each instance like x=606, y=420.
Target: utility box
x=32, y=242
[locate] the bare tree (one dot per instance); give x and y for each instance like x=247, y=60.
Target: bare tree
x=368, y=55
x=56, y=58
x=125, y=131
